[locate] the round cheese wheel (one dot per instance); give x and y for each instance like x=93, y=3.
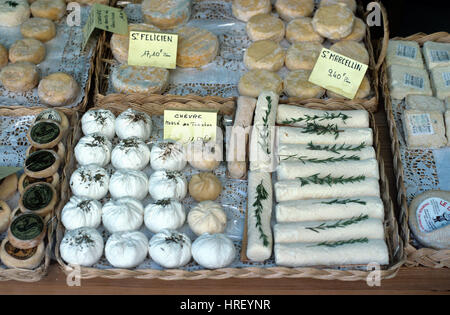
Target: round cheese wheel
x=39, y=198
x=13, y=13
x=244, y=9
x=55, y=115
x=301, y=30
x=42, y=163
x=429, y=218
x=49, y=9
x=60, y=149
x=293, y=9
x=27, y=49
x=14, y=257
x=58, y=89
x=265, y=26
x=351, y=4
x=45, y=134
x=19, y=77
x=139, y=79
x=5, y=213
x=363, y=90
x=352, y=49
x=166, y=14
x=26, y=231
x=205, y=186
x=26, y=180
x=8, y=187
x=3, y=56
x=196, y=47
x=120, y=43
x=296, y=84
x=38, y=28
x=264, y=54
x=302, y=55
x=358, y=32
x=333, y=21
x=253, y=82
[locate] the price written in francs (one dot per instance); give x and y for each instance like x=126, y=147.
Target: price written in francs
x=338, y=73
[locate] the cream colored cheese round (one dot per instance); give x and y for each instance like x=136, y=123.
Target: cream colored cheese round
x=333, y=21
x=19, y=77
x=264, y=54
x=5, y=213
x=244, y=9
x=205, y=186
x=50, y=9
x=363, y=90
x=351, y=4
x=139, y=79
x=358, y=32
x=14, y=257
x=265, y=26
x=253, y=82
x=3, y=56
x=101, y=121
x=166, y=14
x=293, y=9
x=13, y=13
x=352, y=49
x=38, y=28
x=58, y=89
x=196, y=47
x=120, y=43
x=301, y=30
x=27, y=49
x=296, y=84
x=207, y=217
x=302, y=55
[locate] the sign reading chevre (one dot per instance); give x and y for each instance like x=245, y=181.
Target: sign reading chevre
x=105, y=18
x=153, y=49
x=338, y=73
x=190, y=125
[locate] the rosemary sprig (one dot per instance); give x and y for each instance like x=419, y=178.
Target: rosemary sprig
x=309, y=118
x=335, y=148
x=322, y=129
x=343, y=201
x=264, y=134
x=338, y=224
x=304, y=159
x=329, y=180
x=261, y=194
x=339, y=243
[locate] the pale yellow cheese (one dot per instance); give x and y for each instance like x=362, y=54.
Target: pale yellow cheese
x=436, y=54
x=301, y=30
x=440, y=82
x=351, y=4
x=352, y=49
x=50, y=9
x=139, y=79
x=424, y=129
x=244, y=9
x=302, y=55
x=3, y=56
x=333, y=21
x=264, y=54
x=38, y=28
x=196, y=47
x=265, y=26
x=296, y=84
x=27, y=49
x=253, y=82
x=358, y=32
x=363, y=90
x=166, y=14
x=58, y=89
x=293, y=9
x=19, y=77
x=406, y=53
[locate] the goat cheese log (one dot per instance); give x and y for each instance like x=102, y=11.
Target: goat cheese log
x=294, y=169
x=259, y=232
x=291, y=152
x=262, y=139
x=347, y=136
x=326, y=187
x=238, y=137
x=360, y=251
x=329, y=209
x=300, y=116
x=320, y=231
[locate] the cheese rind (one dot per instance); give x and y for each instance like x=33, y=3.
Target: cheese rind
x=364, y=90
x=406, y=53
x=293, y=9
x=3, y=56
x=254, y=82
x=424, y=103
x=38, y=28
x=289, y=152
x=404, y=80
x=440, y=82
x=19, y=77
x=424, y=129
x=27, y=49
x=352, y=49
x=333, y=21
x=244, y=9
x=358, y=32
x=166, y=14
x=296, y=84
x=58, y=89
x=351, y=4
x=196, y=47
x=139, y=79
x=436, y=54
x=302, y=55
x=301, y=30
x=14, y=15
x=264, y=54
x=265, y=26
x=50, y=9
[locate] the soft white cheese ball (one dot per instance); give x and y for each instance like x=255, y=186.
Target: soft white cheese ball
x=100, y=121
x=168, y=156
x=124, y=214
x=81, y=212
x=213, y=251
x=90, y=181
x=93, y=149
x=207, y=217
x=170, y=249
x=130, y=153
x=126, y=249
x=82, y=246
x=128, y=183
x=164, y=214
x=167, y=185
x=132, y=123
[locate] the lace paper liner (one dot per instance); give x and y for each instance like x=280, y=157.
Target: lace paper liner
x=63, y=54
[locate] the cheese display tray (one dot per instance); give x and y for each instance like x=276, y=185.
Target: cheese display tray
x=417, y=170
x=63, y=54
x=222, y=75
x=234, y=200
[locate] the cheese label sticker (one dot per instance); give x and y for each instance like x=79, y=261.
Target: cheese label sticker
x=446, y=78
x=105, y=18
x=187, y=126
x=439, y=55
x=414, y=81
x=338, y=73
x=433, y=214
x=406, y=51
x=420, y=124
x=153, y=49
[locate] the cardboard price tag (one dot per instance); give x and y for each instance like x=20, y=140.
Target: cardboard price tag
x=338, y=73
x=153, y=49
x=105, y=18
x=187, y=126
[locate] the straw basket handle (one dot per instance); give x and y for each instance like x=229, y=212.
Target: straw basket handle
x=385, y=40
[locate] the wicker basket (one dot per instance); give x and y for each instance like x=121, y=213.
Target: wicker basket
x=37, y=274
x=424, y=256
x=104, y=59
x=154, y=107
